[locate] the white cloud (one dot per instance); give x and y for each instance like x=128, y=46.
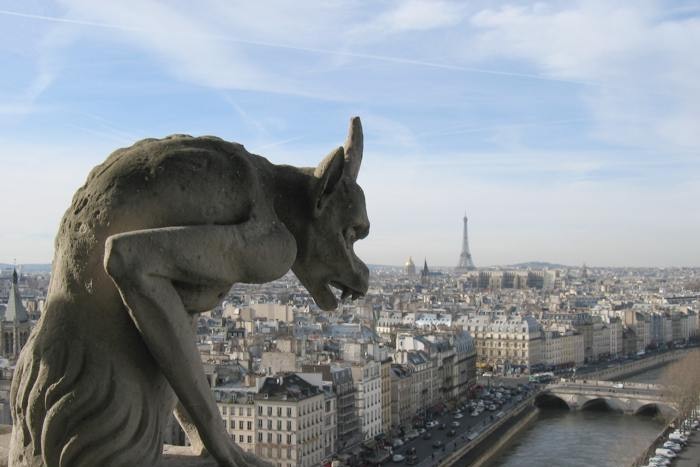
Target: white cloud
x=410, y=16
x=38, y=182
x=641, y=67
x=542, y=211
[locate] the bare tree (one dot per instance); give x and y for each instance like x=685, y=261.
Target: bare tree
x=682, y=381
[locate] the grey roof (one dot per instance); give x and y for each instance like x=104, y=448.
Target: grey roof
x=290, y=386
x=15, y=311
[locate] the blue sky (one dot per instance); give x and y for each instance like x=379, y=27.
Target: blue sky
x=569, y=131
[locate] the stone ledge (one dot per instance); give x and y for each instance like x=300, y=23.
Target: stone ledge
x=173, y=456
x=181, y=456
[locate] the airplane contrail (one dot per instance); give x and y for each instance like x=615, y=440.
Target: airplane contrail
x=321, y=51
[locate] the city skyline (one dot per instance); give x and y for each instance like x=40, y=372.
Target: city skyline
x=576, y=150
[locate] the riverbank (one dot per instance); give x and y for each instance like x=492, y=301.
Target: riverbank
x=577, y=448
x=486, y=444
x=690, y=456
x=635, y=367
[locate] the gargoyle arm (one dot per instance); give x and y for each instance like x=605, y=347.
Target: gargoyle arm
x=146, y=264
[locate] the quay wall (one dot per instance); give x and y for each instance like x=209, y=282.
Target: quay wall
x=636, y=366
x=487, y=444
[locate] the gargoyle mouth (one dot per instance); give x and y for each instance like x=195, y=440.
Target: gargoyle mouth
x=347, y=291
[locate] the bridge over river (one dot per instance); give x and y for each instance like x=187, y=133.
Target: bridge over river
x=630, y=398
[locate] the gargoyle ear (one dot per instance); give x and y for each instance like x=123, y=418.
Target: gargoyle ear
x=353, y=148
x=328, y=174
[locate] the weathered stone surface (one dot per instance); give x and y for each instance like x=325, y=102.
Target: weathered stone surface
x=158, y=233
x=180, y=456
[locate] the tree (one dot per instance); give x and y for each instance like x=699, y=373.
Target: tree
x=682, y=382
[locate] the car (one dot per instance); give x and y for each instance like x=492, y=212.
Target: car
x=421, y=431
x=667, y=453
x=398, y=458
x=411, y=451
x=659, y=460
x=455, y=424
x=675, y=447
x=475, y=413
x=413, y=434
x=451, y=433
x=438, y=444
x=427, y=435
x=397, y=442
x=432, y=424
x=442, y=426
x=412, y=460
x=459, y=415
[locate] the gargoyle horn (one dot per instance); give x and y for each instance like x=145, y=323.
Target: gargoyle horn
x=353, y=148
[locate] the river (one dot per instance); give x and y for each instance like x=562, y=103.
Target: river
x=562, y=438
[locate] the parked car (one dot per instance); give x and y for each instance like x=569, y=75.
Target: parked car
x=659, y=460
x=427, y=435
x=451, y=433
x=397, y=442
x=412, y=460
x=675, y=447
x=438, y=444
x=458, y=415
x=455, y=424
x=667, y=453
x=398, y=458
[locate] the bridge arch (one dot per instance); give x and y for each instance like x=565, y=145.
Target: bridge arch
x=551, y=401
x=597, y=403
x=651, y=409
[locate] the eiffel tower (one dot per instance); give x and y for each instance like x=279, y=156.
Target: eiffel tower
x=465, y=258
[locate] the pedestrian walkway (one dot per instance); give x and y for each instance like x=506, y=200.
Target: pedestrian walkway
x=690, y=456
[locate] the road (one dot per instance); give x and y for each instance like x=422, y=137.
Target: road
x=469, y=427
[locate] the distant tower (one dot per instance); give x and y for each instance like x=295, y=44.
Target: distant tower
x=409, y=268
x=15, y=325
x=425, y=274
x=465, y=258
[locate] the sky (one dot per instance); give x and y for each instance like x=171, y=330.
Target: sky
x=568, y=131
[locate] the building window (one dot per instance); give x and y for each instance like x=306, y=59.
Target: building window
x=289, y=411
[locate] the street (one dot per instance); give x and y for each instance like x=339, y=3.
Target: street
x=469, y=428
